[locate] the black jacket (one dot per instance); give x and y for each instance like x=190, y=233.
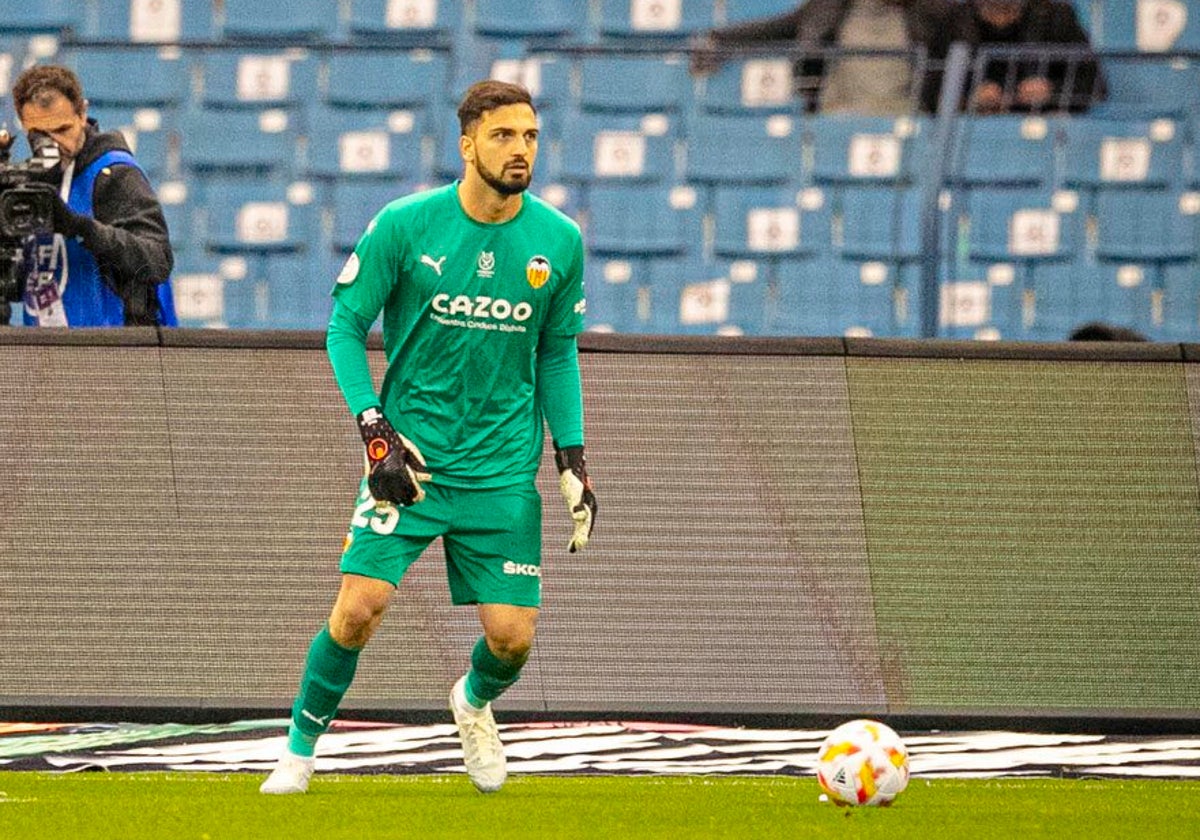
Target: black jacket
x=1077, y=82
x=127, y=234
x=816, y=23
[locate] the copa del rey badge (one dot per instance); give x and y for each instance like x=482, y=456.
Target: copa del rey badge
x=537, y=271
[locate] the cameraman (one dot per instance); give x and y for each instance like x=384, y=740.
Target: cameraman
x=107, y=221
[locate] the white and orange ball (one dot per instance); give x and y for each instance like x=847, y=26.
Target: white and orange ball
x=862, y=762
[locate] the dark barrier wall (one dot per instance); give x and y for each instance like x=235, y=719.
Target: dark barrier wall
x=798, y=527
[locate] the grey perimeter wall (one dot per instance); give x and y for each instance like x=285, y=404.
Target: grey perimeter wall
x=171, y=516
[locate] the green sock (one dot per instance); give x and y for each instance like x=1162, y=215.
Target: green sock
x=328, y=672
x=490, y=676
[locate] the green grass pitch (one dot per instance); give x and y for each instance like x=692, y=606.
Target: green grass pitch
x=194, y=806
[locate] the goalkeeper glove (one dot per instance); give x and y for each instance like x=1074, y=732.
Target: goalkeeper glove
x=395, y=468
x=577, y=490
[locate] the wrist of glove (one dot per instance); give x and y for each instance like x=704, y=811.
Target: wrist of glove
x=577, y=490
x=395, y=467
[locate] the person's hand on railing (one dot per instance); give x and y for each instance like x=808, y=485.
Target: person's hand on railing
x=1035, y=93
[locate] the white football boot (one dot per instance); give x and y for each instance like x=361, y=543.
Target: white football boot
x=290, y=775
x=483, y=754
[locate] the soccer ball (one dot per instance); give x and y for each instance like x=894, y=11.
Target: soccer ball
x=862, y=762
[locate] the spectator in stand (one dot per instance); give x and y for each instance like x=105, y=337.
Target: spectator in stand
x=1068, y=81
x=860, y=84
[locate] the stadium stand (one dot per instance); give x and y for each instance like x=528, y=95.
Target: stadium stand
x=666, y=222
x=752, y=86
x=655, y=18
x=1004, y=150
x=161, y=72
x=306, y=21
x=374, y=142
x=531, y=18
x=605, y=147
x=771, y=221
x=258, y=217
x=741, y=10
x=355, y=203
x=1147, y=225
x=151, y=21
x=617, y=298
x=1012, y=226
x=252, y=141
x=742, y=149
x=409, y=22
x=1168, y=25
x=856, y=149
x=1101, y=152
x=634, y=83
x=51, y=16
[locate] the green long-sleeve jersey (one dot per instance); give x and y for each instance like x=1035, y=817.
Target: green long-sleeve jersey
x=468, y=311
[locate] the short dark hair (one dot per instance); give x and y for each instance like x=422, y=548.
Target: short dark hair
x=40, y=82
x=489, y=95
x=1101, y=331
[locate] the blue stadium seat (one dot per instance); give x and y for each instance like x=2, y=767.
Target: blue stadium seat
x=258, y=217
x=1003, y=150
x=162, y=77
x=148, y=131
x=1069, y=294
x=881, y=223
x=356, y=203
x=858, y=149
x=262, y=141
x=742, y=149
x=300, y=21
x=182, y=216
x=761, y=85
x=1147, y=225
x=42, y=16
x=770, y=221
x=655, y=18
x=547, y=76
x=1104, y=152
x=149, y=21
x=1150, y=86
x=966, y=307
x=1023, y=224
x=372, y=142
x=1174, y=27
x=1061, y=300
x=396, y=79
x=750, y=297
x=201, y=290
x=602, y=147
x=830, y=296
x=982, y=299
x=642, y=220
x=412, y=22
x=634, y=83
x=297, y=290
x=1181, y=301
x=617, y=297
x=737, y=11
x=810, y=297
x=531, y=18
x=258, y=79
x=694, y=296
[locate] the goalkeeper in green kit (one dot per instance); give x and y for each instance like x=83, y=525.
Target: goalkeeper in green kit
x=481, y=290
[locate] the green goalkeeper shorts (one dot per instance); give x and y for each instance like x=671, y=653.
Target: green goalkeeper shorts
x=492, y=540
